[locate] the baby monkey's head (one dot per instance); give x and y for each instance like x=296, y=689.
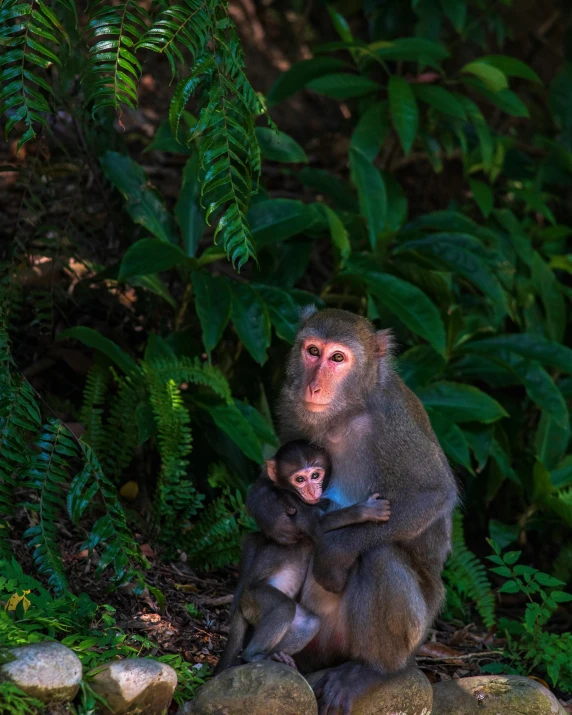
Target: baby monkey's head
x=301, y=468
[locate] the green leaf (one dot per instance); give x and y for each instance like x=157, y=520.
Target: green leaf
x=163, y=139
x=541, y=389
x=411, y=49
x=461, y=403
x=492, y=78
x=407, y=301
x=142, y=201
x=481, y=128
x=419, y=365
x=231, y=421
x=278, y=146
x=483, y=195
x=456, y=11
x=371, y=193
x=548, y=288
x=505, y=99
x=404, y=112
x=300, y=74
x=275, y=220
x=251, y=320
x=212, y=303
x=149, y=255
x=530, y=346
x=326, y=183
x=340, y=239
x=155, y=285
x=521, y=240
x=511, y=67
x=561, y=596
x=343, y=85
x=189, y=213
x=371, y=130
x=509, y=587
x=284, y=312
x=440, y=99
x=451, y=439
x=95, y=340
x=262, y=426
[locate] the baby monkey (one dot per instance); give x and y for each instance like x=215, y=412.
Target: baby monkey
x=272, y=575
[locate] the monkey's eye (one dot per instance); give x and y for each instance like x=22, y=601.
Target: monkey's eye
x=300, y=480
x=313, y=350
x=337, y=357
x=315, y=475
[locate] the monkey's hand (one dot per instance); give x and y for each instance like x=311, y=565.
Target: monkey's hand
x=374, y=508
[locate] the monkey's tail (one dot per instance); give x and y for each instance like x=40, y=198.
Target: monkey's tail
x=236, y=634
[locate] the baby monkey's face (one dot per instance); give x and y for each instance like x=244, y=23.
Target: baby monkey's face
x=308, y=483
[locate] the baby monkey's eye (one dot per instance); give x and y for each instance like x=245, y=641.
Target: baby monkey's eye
x=315, y=475
x=337, y=357
x=313, y=350
x=300, y=480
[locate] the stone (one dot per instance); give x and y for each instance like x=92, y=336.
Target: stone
x=262, y=688
x=494, y=695
x=406, y=693
x=134, y=685
x=48, y=671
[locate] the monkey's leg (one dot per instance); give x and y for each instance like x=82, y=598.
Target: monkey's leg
x=236, y=632
x=300, y=632
x=272, y=612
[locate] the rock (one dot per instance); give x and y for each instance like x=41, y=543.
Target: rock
x=406, y=693
x=496, y=695
x=263, y=688
x=48, y=671
x=134, y=685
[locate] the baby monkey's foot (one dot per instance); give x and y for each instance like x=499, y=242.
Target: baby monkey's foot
x=284, y=658
x=378, y=509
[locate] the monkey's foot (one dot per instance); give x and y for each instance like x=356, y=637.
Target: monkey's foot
x=338, y=688
x=284, y=658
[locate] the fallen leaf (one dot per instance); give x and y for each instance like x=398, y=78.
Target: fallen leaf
x=15, y=599
x=438, y=650
x=129, y=490
x=186, y=587
x=147, y=551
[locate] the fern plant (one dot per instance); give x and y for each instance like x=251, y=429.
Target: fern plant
x=466, y=576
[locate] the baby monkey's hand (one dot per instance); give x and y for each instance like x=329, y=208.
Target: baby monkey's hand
x=376, y=508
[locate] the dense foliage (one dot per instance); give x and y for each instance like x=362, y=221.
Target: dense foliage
x=444, y=215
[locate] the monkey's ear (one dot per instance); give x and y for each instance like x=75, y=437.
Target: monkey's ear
x=271, y=469
x=384, y=343
x=307, y=312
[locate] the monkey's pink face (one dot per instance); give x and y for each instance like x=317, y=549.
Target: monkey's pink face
x=326, y=366
x=308, y=483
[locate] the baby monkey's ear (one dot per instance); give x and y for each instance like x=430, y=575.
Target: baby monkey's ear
x=271, y=469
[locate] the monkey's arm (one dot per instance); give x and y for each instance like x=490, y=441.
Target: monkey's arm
x=272, y=510
x=372, y=509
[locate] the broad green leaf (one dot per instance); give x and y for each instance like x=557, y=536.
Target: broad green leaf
x=371, y=193
x=343, y=85
x=300, y=74
x=492, y=78
x=512, y=67
x=562, y=263
x=561, y=476
x=163, y=139
x=419, y=365
x=505, y=99
x=410, y=48
x=251, y=320
x=548, y=288
x=482, y=129
x=407, y=301
x=278, y=146
x=150, y=255
x=551, y=441
x=371, y=130
x=231, y=421
x=456, y=11
x=404, y=112
x=275, y=220
x=535, y=347
x=283, y=311
x=262, y=427
x=440, y=99
x=451, y=439
x=483, y=195
x=142, y=201
x=461, y=403
x=155, y=285
x=521, y=240
x=324, y=182
x=340, y=24
x=340, y=239
x=540, y=387
x=212, y=303
x=95, y=340
x=189, y=213
x=396, y=203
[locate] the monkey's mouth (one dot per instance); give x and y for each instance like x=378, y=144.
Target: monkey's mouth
x=316, y=406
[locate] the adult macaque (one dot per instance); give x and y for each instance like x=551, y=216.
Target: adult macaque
x=272, y=575
x=342, y=394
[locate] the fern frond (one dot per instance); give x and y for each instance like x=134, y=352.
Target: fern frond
x=186, y=26
x=215, y=540
x=91, y=414
x=28, y=32
x=113, y=72
x=46, y=474
x=192, y=370
x=467, y=575
x=121, y=435
x=176, y=498
x=120, y=550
